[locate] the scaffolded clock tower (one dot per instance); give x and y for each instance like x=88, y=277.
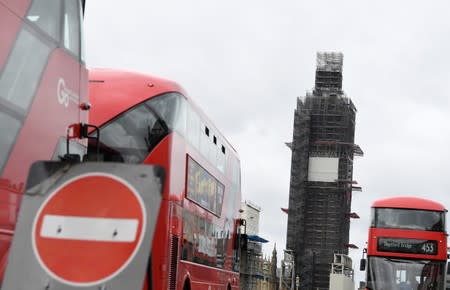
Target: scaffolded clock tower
x=321, y=182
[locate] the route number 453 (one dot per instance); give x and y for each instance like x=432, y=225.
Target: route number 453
x=428, y=248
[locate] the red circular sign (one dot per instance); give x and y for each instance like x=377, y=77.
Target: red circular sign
x=89, y=229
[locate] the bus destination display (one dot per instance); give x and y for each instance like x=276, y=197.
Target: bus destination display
x=413, y=246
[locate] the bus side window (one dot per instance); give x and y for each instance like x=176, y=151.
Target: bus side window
x=46, y=16
x=193, y=128
x=180, y=116
x=236, y=175
x=72, y=27
x=204, y=141
x=28, y=58
x=221, y=159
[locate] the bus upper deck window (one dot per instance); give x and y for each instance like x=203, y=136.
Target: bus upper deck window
x=72, y=27
x=46, y=15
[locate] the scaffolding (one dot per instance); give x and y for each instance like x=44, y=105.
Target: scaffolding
x=318, y=215
x=329, y=72
x=342, y=274
x=250, y=270
x=257, y=272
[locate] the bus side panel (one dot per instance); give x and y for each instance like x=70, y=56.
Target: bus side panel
x=203, y=277
x=177, y=194
x=47, y=119
x=160, y=253
x=160, y=248
x=18, y=7
x=178, y=168
x=9, y=26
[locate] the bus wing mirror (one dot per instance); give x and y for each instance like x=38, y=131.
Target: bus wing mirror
x=362, y=265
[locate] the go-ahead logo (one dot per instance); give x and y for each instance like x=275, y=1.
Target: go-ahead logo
x=65, y=95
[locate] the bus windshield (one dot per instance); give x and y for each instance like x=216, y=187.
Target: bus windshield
x=132, y=135
x=402, y=274
x=409, y=219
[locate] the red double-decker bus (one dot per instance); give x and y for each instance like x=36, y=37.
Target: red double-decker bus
x=143, y=119
x=43, y=81
x=407, y=245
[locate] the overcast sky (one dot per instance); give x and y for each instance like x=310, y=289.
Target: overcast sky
x=246, y=62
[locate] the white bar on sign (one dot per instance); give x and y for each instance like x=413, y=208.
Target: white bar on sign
x=89, y=228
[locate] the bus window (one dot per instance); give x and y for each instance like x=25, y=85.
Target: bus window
x=46, y=16
x=12, y=126
x=21, y=74
x=72, y=27
x=127, y=138
x=132, y=136
x=205, y=141
x=221, y=159
x=408, y=219
x=403, y=274
x=213, y=150
x=169, y=107
x=193, y=128
x=236, y=175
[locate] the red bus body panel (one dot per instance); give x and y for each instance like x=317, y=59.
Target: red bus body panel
x=124, y=92
x=43, y=123
x=375, y=233
x=18, y=7
x=9, y=26
x=409, y=203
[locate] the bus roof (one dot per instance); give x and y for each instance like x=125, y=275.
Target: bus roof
x=120, y=90
x=114, y=91
x=409, y=202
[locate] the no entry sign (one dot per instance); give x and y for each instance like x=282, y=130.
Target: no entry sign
x=88, y=229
